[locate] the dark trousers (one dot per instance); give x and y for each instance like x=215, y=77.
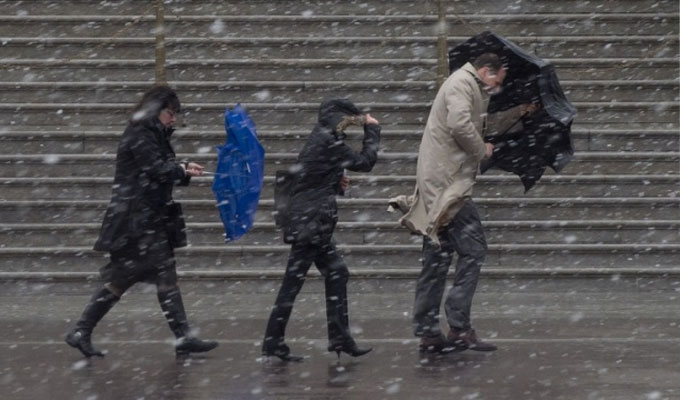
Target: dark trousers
x=336, y=275
x=463, y=235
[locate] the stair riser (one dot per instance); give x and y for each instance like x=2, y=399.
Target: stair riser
x=381, y=236
x=198, y=213
x=104, y=167
x=298, y=93
x=88, y=145
x=510, y=188
x=303, y=7
x=249, y=72
x=406, y=118
x=219, y=28
x=276, y=260
x=425, y=48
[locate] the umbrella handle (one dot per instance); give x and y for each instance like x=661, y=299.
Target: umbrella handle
x=214, y=174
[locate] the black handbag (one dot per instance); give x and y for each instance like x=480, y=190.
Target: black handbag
x=176, y=227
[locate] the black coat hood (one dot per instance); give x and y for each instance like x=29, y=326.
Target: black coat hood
x=332, y=112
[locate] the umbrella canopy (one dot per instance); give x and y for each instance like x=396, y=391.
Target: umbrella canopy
x=240, y=174
x=545, y=137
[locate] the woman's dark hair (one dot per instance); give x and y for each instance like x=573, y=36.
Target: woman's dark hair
x=153, y=102
x=490, y=60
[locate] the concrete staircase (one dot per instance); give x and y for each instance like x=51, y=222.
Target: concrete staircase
x=71, y=70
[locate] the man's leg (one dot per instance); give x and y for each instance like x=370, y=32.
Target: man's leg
x=430, y=286
x=470, y=243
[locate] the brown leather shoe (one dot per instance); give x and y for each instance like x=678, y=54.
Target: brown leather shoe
x=436, y=344
x=469, y=340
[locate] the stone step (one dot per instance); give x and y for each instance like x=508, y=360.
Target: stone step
x=92, y=165
x=568, y=46
x=335, y=7
x=23, y=140
x=309, y=91
x=594, y=115
x=225, y=25
x=369, y=186
x=371, y=232
x=369, y=209
x=323, y=69
x=267, y=280
x=268, y=257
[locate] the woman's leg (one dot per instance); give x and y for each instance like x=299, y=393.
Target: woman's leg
x=332, y=266
x=299, y=261
x=335, y=272
x=162, y=256
x=100, y=304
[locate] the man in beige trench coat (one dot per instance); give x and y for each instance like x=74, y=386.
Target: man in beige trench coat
x=441, y=209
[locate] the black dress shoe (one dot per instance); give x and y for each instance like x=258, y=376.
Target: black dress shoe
x=281, y=351
x=350, y=348
x=80, y=340
x=188, y=345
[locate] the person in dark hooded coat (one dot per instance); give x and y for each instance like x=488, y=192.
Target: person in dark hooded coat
x=143, y=224
x=310, y=219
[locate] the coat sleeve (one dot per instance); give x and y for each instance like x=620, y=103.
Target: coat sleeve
x=364, y=160
x=147, y=154
x=459, y=120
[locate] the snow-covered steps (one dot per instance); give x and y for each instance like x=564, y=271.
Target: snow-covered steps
x=389, y=163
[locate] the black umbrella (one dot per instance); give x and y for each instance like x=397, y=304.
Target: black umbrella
x=544, y=139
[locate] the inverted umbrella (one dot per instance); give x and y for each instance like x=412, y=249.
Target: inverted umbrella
x=240, y=173
x=545, y=137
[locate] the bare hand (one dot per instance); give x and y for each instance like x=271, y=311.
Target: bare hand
x=528, y=109
x=489, y=150
x=371, y=121
x=194, y=169
x=344, y=182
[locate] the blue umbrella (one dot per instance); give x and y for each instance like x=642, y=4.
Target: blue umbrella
x=240, y=173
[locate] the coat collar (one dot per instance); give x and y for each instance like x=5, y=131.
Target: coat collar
x=473, y=71
x=155, y=125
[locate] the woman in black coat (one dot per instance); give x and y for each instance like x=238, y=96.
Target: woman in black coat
x=142, y=224
x=310, y=219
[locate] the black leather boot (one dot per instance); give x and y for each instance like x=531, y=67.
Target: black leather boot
x=279, y=349
x=80, y=337
x=190, y=344
x=173, y=309
x=350, y=347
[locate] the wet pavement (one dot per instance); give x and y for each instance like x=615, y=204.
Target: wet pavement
x=571, y=339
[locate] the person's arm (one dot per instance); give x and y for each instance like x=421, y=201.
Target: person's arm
x=148, y=156
x=508, y=121
x=502, y=121
x=364, y=160
x=459, y=121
